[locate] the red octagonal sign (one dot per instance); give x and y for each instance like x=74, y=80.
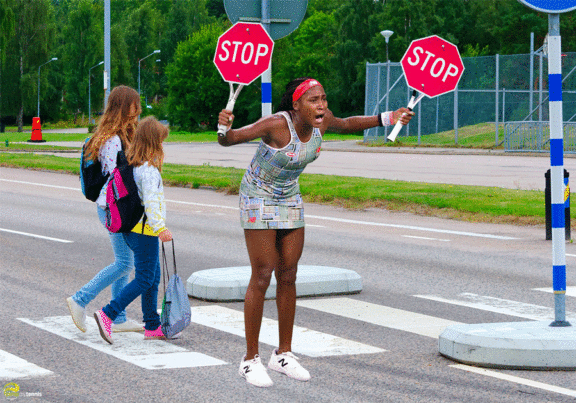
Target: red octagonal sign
x=243, y=53
x=432, y=66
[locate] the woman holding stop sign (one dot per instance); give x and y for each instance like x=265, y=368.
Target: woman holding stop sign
x=272, y=212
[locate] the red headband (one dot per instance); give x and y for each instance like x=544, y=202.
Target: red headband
x=303, y=87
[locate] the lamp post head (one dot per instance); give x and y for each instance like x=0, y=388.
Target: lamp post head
x=54, y=58
x=386, y=34
x=157, y=51
x=158, y=60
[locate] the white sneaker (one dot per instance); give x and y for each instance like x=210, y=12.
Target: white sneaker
x=78, y=314
x=128, y=326
x=254, y=372
x=287, y=364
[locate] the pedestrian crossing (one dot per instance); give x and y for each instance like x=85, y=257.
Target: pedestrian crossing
x=305, y=341
x=129, y=347
x=13, y=367
x=392, y=318
x=158, y=354
x=502, y=306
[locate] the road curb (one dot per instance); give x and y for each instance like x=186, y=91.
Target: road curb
x=229, y=284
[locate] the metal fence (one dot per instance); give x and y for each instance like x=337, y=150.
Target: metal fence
x=493, y=89
x=535, y=136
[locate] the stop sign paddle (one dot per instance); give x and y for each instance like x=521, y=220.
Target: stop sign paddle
x=243, y=54
x=432, y=66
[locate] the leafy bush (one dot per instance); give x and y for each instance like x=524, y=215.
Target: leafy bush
x=196, y=89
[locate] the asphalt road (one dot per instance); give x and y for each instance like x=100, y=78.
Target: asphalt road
x=419, y=275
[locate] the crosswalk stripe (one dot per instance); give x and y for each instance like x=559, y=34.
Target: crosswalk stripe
x=129, y=347
x=13, y=367
x=570, y=291
x=499, y=305
x=380, y=315
x=305, y=341
x=516, y=379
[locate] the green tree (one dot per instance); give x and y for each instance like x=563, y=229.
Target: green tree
x=216, y=8
x=196, y=91
x=82, y=48
x=7, y=29
x=29, y=49
x=141, y=36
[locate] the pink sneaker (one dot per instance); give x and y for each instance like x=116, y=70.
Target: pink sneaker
x=154, y=334
x=104, y=324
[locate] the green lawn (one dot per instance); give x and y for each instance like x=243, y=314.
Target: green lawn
x=477, y=136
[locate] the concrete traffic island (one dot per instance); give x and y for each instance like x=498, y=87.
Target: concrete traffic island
x=511, y=345
x=229, y=284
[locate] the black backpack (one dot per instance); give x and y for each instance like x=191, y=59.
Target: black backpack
x=91, y=177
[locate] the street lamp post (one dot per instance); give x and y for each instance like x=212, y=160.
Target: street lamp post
x=51, y=60
x=387, y=34
x=156, y=51
x=89, y=93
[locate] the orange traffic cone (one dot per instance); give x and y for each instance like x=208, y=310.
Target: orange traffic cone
x=36, y=132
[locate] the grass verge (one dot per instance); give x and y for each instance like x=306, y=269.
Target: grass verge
x=468, y=203
x=175, y=137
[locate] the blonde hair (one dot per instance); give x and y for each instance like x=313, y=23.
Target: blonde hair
x=146, y=145
x=117, y=120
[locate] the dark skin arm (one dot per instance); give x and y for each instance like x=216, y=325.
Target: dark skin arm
x=355, y=124
x=273, y=129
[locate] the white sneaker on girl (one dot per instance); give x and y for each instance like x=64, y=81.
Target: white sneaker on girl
x=255, y=372
x=287, y=364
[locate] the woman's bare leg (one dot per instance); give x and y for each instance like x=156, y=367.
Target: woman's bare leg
x=289, y=245
x=264, y=259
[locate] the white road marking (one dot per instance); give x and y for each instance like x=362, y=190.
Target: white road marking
x=498, y=305
x=13, y=367
x=41, y=184
x=399, y=319
x=568, y=254
x=516, y=379
x=414, y=323
x=570, y=291
x=425, y=238
x=334, y=219
x=129, y=347
x=202, y=204
x=411, y=227
x=35, y=235
x=305, y=341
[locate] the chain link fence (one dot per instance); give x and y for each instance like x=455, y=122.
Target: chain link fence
x=509, y=92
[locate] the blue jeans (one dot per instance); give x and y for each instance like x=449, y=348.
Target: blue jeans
x=116, y=274
x=145, y=283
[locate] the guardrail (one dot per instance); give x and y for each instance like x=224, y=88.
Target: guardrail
x=535, y=136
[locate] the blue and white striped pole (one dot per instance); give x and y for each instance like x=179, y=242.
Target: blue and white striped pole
x=557, y=170
x=266, y=78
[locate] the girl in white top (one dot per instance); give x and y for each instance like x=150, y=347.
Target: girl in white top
x=146, y=155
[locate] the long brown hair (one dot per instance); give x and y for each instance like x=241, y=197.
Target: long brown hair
x=146, y=145
x=117, y=120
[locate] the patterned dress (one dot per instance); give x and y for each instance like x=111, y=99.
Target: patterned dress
x=269, y=192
